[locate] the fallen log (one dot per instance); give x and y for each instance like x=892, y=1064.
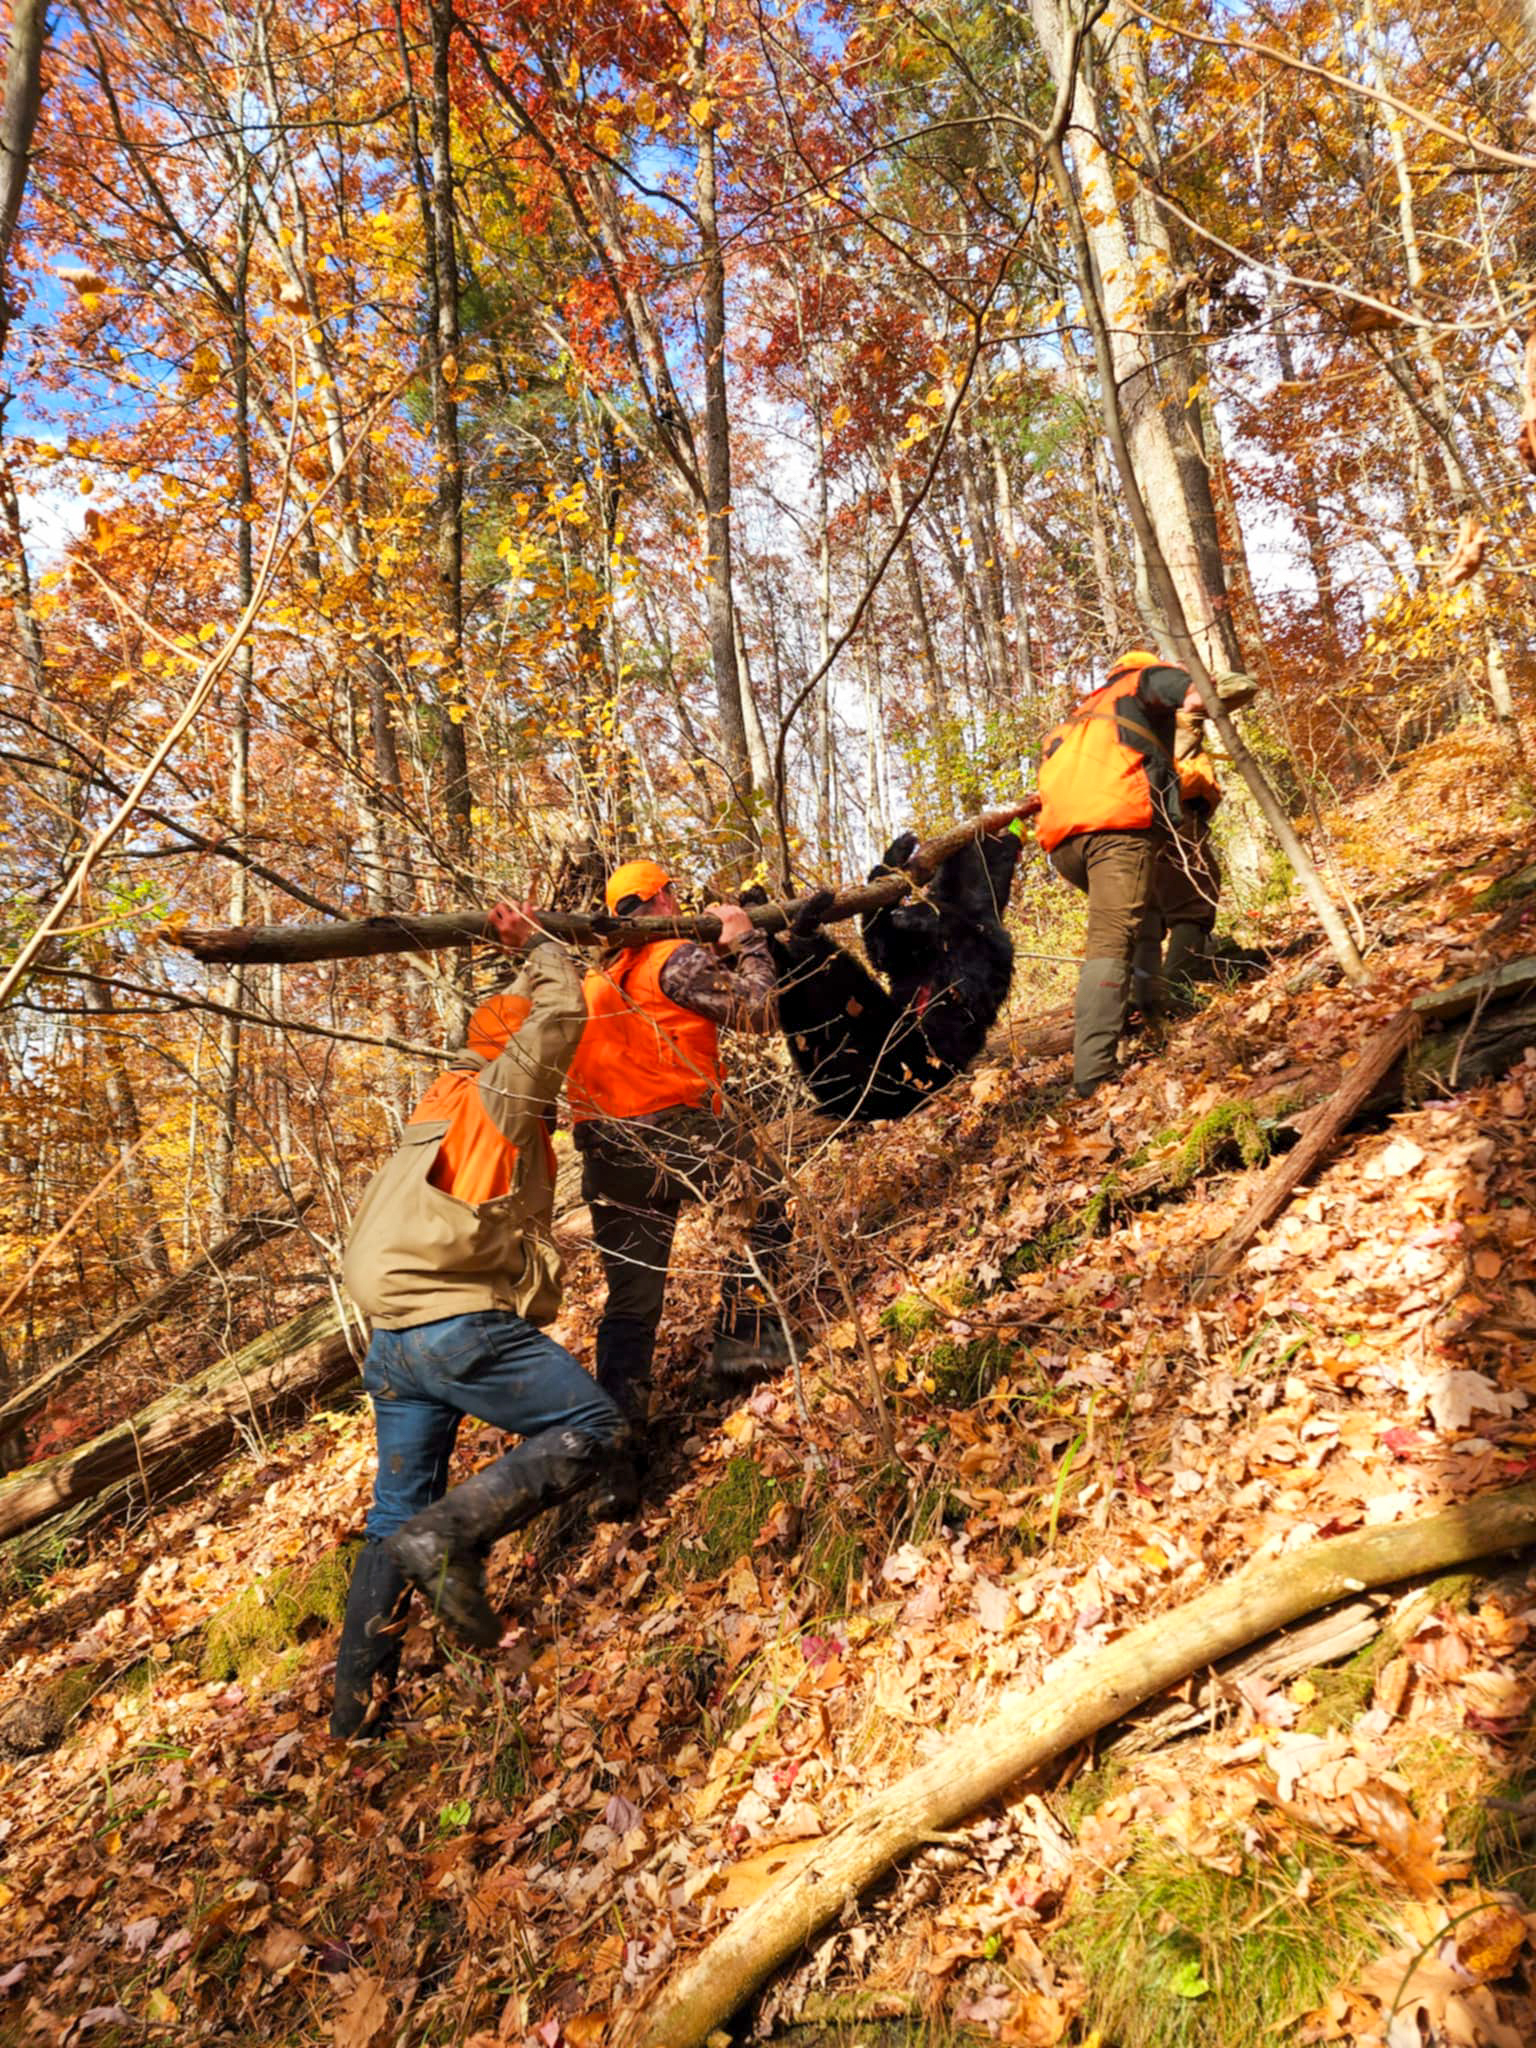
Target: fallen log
x=1321, y=1129
x=355, y=939
x=1398, y=1063
x=1030, y=1727
x=177, y=1436
x=246, y=1236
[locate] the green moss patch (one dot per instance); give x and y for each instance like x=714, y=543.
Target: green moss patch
x=1177, y=1954
x=268, y=1618
x=727, y=1520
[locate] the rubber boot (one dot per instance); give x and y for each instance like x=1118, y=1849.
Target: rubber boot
x=370, y=1639
x=1186, y=947
x=1102, y=988
x=624, y=1350
x=1149, y=989
x=443, y=1549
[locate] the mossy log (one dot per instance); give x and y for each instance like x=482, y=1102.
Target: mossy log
x=246, y=1236
x=1030, y=1727
x=180, y=1434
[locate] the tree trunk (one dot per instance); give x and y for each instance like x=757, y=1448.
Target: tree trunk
x=933, y=687
x=183, y=1432
x=443, y=253
x=984, y=571
x=226, y=1131
x=18, y=124
x=127, y=1131
x=1031, y=1726
x=1018, y=602
x=717, y=453
x=1202, y=601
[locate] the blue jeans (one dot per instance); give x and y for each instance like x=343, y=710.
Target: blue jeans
x=493, y=1366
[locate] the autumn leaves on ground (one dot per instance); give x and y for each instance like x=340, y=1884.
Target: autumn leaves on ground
x=1328, y=1845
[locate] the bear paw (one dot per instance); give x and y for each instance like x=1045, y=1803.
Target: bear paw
x=811, y=913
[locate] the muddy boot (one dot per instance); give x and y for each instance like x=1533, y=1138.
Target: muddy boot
x=370, y=1640
x=443, y=1549
x=1102, y=988
x=1186, y=950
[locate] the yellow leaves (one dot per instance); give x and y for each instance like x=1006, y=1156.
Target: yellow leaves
x=573, y=74
x=700, y=111
x=457, y=713
x=645, y=108
x=840, y=417
x=607, y=137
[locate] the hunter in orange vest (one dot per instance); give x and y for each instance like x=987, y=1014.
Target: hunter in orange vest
x=1109, y=797
x=652, y=1130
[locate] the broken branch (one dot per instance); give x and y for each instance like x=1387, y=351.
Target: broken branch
x=358, y=938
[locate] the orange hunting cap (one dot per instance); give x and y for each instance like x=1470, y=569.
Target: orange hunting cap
x=496, y=1021
x=641, y=879
x=1139, y=657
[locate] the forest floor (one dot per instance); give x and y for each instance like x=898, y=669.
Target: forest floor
x=797, y=1618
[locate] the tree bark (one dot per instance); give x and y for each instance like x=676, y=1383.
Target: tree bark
x=933, y=686
x=127, y=1130
x=443, y=255
x=358, y=938
x=18, y=124
x=1131, y=370
x=1031, y=1726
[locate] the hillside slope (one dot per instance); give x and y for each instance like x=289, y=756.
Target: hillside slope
x=799, y=1616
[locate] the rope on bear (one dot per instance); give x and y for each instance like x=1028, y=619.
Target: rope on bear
x=357, y=938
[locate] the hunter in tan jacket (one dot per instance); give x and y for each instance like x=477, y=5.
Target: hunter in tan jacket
x=452, y=1258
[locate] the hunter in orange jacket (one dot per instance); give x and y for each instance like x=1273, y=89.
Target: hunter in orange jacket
x=1109, y=797
x=651, y=1128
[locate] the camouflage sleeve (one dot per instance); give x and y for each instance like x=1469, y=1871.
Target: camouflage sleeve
x=737, y=993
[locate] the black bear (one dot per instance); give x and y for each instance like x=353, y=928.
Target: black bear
x=868, y=1051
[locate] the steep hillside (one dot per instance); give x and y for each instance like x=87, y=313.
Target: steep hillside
x=1020, y=1428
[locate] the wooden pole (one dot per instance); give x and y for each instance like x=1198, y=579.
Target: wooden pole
x=292, y=945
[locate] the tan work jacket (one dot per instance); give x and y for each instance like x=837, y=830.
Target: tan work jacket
x=416, y=1253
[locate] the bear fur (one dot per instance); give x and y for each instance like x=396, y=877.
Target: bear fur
x=867, y=1050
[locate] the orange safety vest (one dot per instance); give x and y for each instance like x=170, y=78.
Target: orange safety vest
x=476, y=1161
x=640, y=1051
x=1197, y=780
x=1091, y=779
